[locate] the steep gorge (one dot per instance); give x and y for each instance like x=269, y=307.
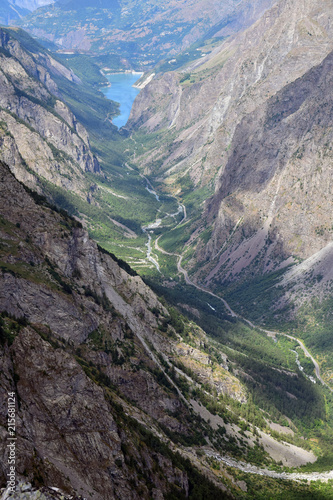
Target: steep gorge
x=83, y=336
x=249, y=124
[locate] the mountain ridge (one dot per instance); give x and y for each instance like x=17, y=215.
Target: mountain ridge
x=38, y=127
x=184, y=400
x=143, y=34
x=242, y=137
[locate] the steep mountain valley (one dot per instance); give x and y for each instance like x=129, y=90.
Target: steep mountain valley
x=166, y=289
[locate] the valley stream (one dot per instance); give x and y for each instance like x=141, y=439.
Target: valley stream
x=158, y=222
x=148, y=230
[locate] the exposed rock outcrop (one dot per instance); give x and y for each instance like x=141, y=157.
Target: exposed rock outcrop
x=87, y=368
x=40, y=136
x=251, y=119
x=236, y=78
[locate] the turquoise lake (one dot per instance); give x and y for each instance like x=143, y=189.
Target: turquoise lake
x=122, y=91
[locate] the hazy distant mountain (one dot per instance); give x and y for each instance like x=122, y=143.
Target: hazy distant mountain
x=30, y=4
x=119, y=395
x=10, y=13
x=12, y=10
x=142, y=32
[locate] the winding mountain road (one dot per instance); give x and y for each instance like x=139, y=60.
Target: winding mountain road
x=188, y=281
x=245, y=467
x=235, y=315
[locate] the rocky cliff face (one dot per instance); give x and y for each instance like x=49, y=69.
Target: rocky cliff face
x=40, y=136
x=9, y=13
x=90, y=368
x=110, y=382
x=273, y=199
x=251, y=121
x=204, y=109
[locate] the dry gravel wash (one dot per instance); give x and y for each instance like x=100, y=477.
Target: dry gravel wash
x=252, y=469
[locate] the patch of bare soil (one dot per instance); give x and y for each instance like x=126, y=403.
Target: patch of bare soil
x=289, y=454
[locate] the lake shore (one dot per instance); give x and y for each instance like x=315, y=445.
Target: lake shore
x=121, y=88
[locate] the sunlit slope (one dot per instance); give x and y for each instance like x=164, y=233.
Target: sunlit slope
x=142, y=32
